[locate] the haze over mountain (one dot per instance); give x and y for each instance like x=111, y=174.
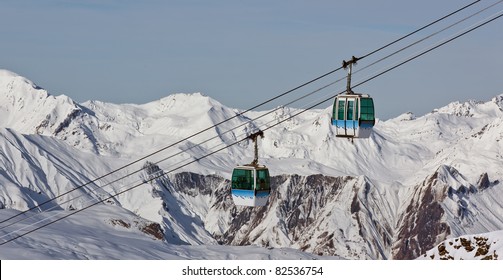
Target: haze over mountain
x=414, y=183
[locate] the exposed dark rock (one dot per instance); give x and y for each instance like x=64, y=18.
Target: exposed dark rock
x=422, y=223
x=68, y=119
x=483, y=182
x=154, y=230
x=120, y=223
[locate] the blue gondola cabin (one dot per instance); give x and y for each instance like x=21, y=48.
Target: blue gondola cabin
x=353, y=115
x=250, y=185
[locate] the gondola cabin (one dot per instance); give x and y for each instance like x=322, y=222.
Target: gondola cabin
x=353, y=115
x=250, y=185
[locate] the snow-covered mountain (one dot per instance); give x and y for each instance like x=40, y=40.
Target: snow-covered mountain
x=414, y=183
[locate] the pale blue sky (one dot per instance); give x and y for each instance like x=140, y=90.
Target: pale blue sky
x=244, y=52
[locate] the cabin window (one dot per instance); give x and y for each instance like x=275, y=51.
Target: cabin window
x=350, y=110
x=340, y=110
x=242, y=179
x=263, y=180
x=367, y=109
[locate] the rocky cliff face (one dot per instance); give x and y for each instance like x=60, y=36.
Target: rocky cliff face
x=422, y=223
x=338, y=216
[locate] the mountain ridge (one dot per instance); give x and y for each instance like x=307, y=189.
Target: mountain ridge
x=366, y=199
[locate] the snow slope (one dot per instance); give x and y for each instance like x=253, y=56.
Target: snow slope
x=415, y=182
x=111, y=232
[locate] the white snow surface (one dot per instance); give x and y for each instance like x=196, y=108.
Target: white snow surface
x=97, y=235
x=50, y=145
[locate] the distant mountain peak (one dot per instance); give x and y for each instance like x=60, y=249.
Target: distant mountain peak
x=30, y=109
x=4, y=73
x=9, y=77
x=475, y=109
